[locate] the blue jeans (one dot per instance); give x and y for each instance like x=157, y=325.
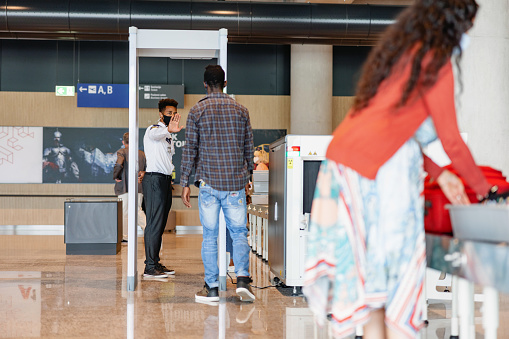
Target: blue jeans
x=233, y=203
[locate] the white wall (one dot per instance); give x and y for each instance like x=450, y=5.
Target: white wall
x=483, y=110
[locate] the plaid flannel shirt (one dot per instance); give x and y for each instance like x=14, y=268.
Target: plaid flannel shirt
x=219, y=143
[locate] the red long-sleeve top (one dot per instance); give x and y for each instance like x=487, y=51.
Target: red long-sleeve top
x=366, y=140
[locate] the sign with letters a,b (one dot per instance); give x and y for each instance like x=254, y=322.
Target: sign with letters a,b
x=103, y=95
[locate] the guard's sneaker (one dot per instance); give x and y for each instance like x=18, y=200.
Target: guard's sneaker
x=207, y=294
x=153, y=272
x=244, y=290
x=164, y=269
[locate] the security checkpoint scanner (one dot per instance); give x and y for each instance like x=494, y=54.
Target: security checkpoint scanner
x=294, y=164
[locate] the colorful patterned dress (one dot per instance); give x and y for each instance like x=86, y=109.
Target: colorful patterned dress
x=366, y=248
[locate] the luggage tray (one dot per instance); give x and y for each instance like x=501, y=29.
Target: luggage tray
x=480, y=222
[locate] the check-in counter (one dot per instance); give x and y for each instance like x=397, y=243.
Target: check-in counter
x=258, y=227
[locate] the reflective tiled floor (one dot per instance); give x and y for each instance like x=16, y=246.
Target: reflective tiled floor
x=45, y=293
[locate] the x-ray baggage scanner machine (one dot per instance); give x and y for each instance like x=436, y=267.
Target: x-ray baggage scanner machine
x=294, y=164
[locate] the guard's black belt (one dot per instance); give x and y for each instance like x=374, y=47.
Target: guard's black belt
x=157, y=174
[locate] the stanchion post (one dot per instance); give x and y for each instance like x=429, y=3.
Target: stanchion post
x=132, y=215
x=221, y=248
x=490, y=313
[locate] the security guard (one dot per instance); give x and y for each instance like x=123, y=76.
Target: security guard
x=159, y=149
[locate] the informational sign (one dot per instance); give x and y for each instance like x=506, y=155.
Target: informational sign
x=117, y=95
x=103, y=95
x=149, y=95
x=64, y=91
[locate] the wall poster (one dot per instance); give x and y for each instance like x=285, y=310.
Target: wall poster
x=80, y=155
x=77, y=155
x=20, y=154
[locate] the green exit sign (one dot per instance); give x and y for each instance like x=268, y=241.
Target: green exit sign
x=64, y=91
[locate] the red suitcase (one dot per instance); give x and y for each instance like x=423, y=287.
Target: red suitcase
x=436, y=216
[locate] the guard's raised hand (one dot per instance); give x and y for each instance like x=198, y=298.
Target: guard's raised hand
x=173, y=126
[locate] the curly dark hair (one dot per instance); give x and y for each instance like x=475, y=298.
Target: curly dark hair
x=434, y=26
x=167, y=102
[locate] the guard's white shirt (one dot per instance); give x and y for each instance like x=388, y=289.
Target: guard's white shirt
x=159, y=149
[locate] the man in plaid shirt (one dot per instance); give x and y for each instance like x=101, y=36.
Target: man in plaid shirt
x=219, y=146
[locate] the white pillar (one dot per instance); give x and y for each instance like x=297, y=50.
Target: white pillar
x=484, y=104
x=311, y=89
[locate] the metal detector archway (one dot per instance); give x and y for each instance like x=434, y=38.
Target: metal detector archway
x=177, y=44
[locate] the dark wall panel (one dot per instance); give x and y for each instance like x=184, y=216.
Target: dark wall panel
x=193, y=75
x=283, y=70
x=175, y=73
x=28, y=66
x=255, y=69
x=120, y=63
x=153, y=71
x=347, y=64
x=1, y=53
x=37, y=66
x=65, y=64
x=95, y=62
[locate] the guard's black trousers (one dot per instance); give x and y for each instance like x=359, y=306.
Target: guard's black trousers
x=157, y=193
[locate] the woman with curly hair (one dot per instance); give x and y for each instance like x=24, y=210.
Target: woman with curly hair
x=366, y=255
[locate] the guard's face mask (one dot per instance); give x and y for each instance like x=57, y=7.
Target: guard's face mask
x=166, y=119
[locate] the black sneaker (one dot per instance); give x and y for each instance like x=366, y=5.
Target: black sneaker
x=244, y=290
x=164, y=269
x=207, y=294
x=153, y=273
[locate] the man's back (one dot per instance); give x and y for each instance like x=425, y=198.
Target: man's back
x=220, y=141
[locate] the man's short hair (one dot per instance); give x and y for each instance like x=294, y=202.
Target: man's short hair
x=125, y=138
x=214, y=76
x=167, y=102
